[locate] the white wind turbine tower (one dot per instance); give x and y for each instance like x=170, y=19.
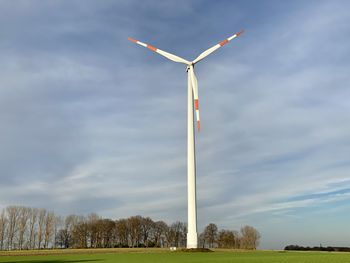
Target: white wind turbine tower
x=192, y=236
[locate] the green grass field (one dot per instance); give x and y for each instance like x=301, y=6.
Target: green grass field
x=170, y=257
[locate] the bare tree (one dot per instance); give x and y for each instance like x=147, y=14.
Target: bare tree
x=3, y=229
x=238, y=239
x=122, y=232
x=226, y=239
x=201, y=240
x=22, y=226
x=64, y=236
x=108, y=235
x=12, y=214
x=80, y=232
x=41, y=226
x=134, y=224
x=160, y=228
x=58, y=224
x=147, y=226
x=211, y=234
x=181, y=229
x=49, y=228
x=33, y=215
x=92, y=220
x=250, y=237
x=170, y=236
x=176, y=234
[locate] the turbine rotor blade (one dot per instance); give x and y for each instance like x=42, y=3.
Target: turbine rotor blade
x=161, y=52
x=217, y=46
x=194, y=85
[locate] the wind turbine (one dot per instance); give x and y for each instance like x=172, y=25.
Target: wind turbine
x=192, y=237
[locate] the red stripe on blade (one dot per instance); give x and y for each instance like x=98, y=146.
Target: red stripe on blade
x=132, y=40
x=199, y=125
x=196, y=104
x=223, y=42
x=152, y=48
x=239, y=33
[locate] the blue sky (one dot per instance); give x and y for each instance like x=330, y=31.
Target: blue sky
x=91, y=122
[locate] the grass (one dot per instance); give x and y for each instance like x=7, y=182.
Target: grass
x=164, y=256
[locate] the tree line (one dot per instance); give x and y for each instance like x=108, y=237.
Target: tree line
x=247, y=238
x=320, y=248
x=33, y=228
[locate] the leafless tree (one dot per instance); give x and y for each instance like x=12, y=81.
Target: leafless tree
x=12, y=214
x=49, y=228
x=227, y=239
x=79, y=232
x=64, y=236
x=201, y=240
x=211, y=234
x=22, y=226
x=33, y=215
x=160, y=228
x=3, y=229
x=41, y=226
x=170, y=237
x=147, y=226
x=176, y=234
x=107, y=233
x=58, y=224
x=238, y=239
x=122, y=232
x=92, y=220
x=134, y=224
x=250, y=237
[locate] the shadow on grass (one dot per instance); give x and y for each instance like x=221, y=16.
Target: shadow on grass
x=54, y=261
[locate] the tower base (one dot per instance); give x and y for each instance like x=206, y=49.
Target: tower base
x=192, y=240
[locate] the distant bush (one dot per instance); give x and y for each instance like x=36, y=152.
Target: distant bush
x=320, y=248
